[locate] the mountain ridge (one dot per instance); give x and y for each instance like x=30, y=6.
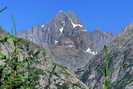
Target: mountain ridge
x=118, y=67
x=66, y=35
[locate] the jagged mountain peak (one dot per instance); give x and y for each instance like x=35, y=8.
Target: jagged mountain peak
x=128, y=29
x=127, y=32
x=64, y=20
x=65, y=23
x=68, y=15
x=67, y=39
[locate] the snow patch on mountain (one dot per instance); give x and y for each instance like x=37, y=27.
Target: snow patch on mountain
x=91, y=52
x=56, y=41
x=75, y=25
x=61, y=29
x=42, y=26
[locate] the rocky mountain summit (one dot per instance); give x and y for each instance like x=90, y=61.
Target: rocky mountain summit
x=69, y=41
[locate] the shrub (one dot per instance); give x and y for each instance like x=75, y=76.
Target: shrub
x=17, y=72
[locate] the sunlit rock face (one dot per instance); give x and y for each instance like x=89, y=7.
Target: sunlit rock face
x=68, y=39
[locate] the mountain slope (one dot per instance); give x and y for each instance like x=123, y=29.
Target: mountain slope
x=68, y=40
x=54, y=75
x=112, y=68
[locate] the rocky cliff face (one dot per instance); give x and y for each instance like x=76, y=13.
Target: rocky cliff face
x=112, y=68
x=70, y=43
x=55, y=76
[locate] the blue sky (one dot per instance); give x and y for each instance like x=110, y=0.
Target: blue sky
x=107, y=15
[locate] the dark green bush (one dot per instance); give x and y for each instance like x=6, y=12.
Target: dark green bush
x=17, y=72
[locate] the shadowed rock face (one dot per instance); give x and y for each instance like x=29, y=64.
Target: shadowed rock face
x=120, y=64
x=70, y=43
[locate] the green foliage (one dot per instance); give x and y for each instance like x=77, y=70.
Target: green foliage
x=18, y=72
x=104, y=69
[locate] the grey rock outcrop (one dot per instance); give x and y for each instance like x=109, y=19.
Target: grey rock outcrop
x=70, y=43
x=116, y=63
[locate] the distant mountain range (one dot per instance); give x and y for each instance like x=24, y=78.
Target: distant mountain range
x=69, y=41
